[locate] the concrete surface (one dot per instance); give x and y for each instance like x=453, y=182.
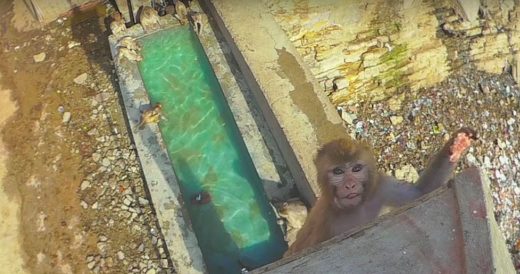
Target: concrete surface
x=300, y=118
x=157, y=168
x=451, y=230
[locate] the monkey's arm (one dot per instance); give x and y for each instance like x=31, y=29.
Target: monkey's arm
x=441, y=167
x=314, y=230
x=395, y=193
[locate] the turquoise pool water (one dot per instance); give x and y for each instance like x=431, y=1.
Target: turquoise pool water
x=238, y=227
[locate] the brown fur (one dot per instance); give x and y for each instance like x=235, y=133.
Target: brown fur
x=335, y=213
x=317, y=226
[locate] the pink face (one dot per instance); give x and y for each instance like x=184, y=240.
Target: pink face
x=348, y=180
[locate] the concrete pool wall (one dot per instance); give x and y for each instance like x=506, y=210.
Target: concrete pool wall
x=158, y=171
x=300, y=118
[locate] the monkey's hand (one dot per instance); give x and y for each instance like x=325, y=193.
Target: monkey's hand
x=461, y=141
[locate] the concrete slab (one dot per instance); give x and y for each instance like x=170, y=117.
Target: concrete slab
x=451, y=230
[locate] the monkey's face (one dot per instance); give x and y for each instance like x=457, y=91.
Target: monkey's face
x=348, y=182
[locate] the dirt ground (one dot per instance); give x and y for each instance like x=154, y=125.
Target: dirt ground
x=52, y=220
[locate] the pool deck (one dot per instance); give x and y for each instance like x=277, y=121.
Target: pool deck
x=157, y=168
x=301, y=117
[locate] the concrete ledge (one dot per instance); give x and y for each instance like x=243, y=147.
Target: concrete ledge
x=159, y=175
x=451, y=230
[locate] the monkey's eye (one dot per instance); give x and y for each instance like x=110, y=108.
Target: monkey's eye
x=337, y=171
x=357, y=168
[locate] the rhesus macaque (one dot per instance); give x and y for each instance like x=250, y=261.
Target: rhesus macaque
x=181, y=12
x=149, y=116
x=117, y=26
x=129, y=43
x=128, y=48
x=353, y=191
x=196, y=18
x=294, y=213
x=129, y=54
x=149, y=19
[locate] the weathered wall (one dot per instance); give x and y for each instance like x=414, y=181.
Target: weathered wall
x=370, y=49
x=45, y=12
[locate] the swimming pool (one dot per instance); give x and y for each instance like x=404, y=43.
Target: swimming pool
x=238, y=227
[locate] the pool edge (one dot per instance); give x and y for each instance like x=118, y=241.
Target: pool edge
x=160, y=177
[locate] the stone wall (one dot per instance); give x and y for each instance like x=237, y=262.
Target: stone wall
x=365, y=51
x=368, y=50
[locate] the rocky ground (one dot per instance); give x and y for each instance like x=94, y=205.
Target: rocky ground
x=84, y=207
x=408, y=128
x=70, y=152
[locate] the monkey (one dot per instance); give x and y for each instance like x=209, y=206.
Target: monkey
x=196, y=18
x=152, y=115
x=294, y=212
x=170, y=9
x=149, y=19
x=353, y=192
x=129, y=54
x=129, y=43
x=128, y=48
x=117, y=26
x=181, y=12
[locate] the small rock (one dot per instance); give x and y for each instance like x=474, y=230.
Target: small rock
x=396, y=120
x=90, y=258
x=487, y=162
x=140, y=248
x=501, y=144
x=84, y=204
x=102, y=246
x=103, y=238
x=95, y=205
x=127, y=202
x=61, y=109
x=471, y=159
x=93, y=131
x=164, y=263
x=84, y=185
x=80, y=80
x=73, y=44
x=143, y=201
x=407, y=173
x=109, y=262
x=349, y=117
x=503, y=160
x=105, y=162
x=120, y=255
x=66, y=117
x=91, y=265
x=39, y=57
x=96, y=157
x=516, y=190
x=150, y=271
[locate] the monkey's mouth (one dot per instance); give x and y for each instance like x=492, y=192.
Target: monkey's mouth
x=351, y=196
